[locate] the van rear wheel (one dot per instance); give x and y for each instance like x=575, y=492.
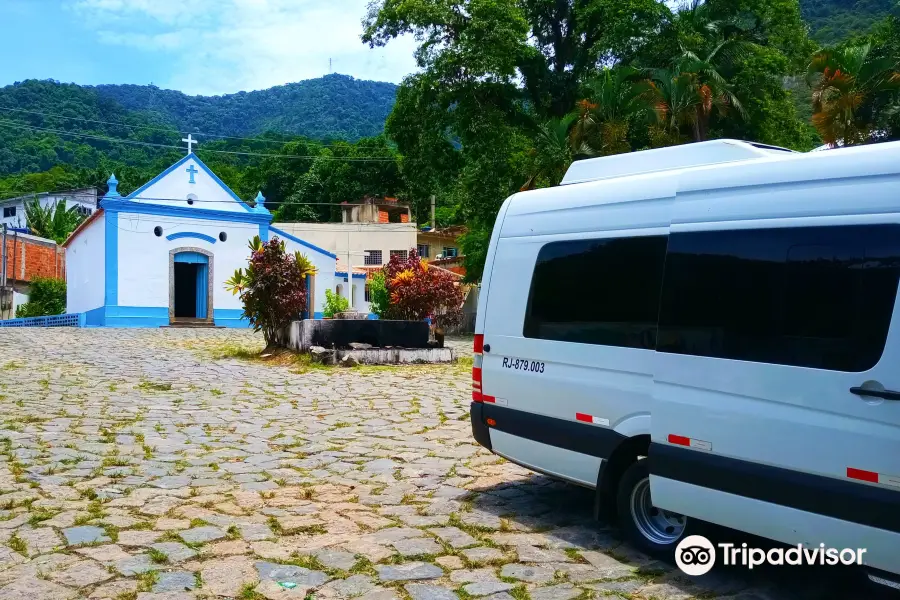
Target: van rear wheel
x=653, y=530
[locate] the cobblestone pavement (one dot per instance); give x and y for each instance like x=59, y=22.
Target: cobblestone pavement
x=159, y=464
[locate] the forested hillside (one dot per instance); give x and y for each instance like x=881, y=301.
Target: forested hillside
x=56, y=136
x=331, y=107
x=46, y=123
x=831, y=21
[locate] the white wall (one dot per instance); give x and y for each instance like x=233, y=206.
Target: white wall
x=18, y=299
x=325, y=265
x=85, y=268
x=359, y=295
x=144, y=258
x=363, y=236
x=176, y=185
x=85, y=197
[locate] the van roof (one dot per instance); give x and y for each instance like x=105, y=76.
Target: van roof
x=752, y=182
x=664, y=159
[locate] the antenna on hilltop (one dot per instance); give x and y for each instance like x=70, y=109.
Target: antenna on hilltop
x=329, y=66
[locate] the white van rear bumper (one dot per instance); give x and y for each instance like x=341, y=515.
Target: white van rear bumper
x=556, y=462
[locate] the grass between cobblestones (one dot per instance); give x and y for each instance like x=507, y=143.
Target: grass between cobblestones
x=147, y=434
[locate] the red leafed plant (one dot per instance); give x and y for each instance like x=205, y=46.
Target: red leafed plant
x=418, y=291
x=272, y=287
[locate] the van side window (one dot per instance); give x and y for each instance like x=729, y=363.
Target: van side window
x=818, y=297
x=603, y=292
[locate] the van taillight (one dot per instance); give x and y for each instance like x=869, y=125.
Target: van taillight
x=477, y=359
x=477, y=395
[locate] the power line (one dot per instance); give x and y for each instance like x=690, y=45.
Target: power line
x=64, y=194
x=17, y=125
x=121, y=124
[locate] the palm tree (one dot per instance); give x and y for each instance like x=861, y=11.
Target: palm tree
x=54, y=221
x=712, y=89
x=620, y=97
x=675, y=102
x=552, y=153
x=848, y=84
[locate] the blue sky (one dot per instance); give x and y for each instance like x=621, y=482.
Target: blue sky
x=196, y=46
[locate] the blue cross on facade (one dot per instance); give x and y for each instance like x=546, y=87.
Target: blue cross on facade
x=191, y=169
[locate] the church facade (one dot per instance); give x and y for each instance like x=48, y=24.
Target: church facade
x=161, y=255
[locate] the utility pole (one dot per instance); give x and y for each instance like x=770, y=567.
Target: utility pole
x=433, y=221
x=3, y=271
x=349, y=272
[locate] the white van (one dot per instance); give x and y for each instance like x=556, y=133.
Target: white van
x=714, y=326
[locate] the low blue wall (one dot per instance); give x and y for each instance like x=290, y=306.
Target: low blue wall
x=66, y=320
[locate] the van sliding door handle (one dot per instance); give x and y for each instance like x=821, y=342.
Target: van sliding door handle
x=885, y=394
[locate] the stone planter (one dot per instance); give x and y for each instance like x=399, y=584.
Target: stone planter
x=340, y=333
x=352, y=315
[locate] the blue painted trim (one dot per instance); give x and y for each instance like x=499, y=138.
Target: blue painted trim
x=372, y=317
x=127, y=316
x=95, y=317
x=264, y=233
x=191, y=257
x=191, y=234
x=230, y=317
x=184, y=212
x=285, y=234
x=111, y=259
x=137, y=192
x=318, y=315
x=344, y=275
x=153, y=316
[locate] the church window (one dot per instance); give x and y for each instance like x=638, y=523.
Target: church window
x=223, y=236
x=191, y=198
x=157, y=231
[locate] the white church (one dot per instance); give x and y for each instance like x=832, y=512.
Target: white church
x=161, y=255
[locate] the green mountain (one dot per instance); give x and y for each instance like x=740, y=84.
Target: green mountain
x=832, y=21
x=44, y=124
x=331, y=107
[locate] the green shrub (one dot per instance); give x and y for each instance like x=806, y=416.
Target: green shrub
x=334, y=304
x=379, y=297
x=47, y=296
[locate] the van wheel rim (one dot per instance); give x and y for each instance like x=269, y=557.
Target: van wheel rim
x=657, y=525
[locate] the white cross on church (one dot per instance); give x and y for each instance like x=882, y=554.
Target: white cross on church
x=190, y=142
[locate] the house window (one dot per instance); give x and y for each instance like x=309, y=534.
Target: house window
x=82, y=210
x=373, y=257
x=423, y=250
x=401, y=253
x=619, y=280
x=368, y=293
x=815, y=297
x=450, y=252
x=9, y=211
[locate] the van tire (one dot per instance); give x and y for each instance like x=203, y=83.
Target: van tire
x=640, y=525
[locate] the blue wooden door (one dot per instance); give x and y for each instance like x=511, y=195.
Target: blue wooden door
x=202, y=271
x=202, y=279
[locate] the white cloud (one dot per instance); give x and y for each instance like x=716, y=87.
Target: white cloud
x=223, y=46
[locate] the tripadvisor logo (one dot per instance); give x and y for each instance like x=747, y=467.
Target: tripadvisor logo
x=696, y=555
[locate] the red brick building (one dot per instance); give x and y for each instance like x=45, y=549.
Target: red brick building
x=27, y=257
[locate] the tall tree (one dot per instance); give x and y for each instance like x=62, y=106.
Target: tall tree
x=848, y=84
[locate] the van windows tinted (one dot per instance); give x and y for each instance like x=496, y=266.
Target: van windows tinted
x=819, y=297
x=602, y=292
